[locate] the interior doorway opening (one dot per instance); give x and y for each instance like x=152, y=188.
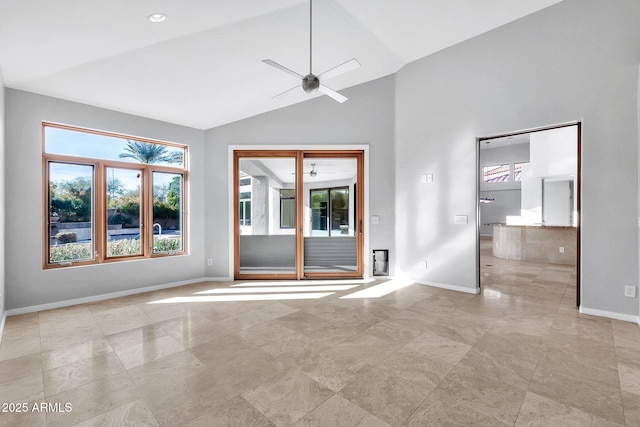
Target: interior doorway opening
x=529, y=207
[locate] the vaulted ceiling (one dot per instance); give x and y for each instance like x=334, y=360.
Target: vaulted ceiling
x=202, y=66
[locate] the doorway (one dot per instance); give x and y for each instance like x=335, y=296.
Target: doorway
x=298, y=214
x=529, y=204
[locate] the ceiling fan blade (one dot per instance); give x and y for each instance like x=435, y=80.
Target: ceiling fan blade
x=287, y=92
x=351, y=64
x=332, y=93
x=282, y=68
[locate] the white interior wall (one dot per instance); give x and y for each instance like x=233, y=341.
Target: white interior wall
x=27, y=284
x=574, y=61
x=367, y=118
x=554, y=152
x=2, y=204
x=557, y=204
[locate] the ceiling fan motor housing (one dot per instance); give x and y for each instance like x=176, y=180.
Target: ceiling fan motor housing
x=310, y=83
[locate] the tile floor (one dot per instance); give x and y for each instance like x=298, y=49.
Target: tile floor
x=518, y=354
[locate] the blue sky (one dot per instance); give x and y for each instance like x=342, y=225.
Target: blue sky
x=82, y=144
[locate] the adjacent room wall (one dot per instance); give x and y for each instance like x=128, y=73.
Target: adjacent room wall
x=365, y=119
x=27, y=284
x=574, y=61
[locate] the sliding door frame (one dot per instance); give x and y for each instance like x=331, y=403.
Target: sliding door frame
x=299, y=156
x=358, y=218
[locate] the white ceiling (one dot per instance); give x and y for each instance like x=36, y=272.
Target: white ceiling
x=202, y=66
x=283, y=169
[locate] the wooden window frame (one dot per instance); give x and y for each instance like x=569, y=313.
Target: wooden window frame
x=99, y=193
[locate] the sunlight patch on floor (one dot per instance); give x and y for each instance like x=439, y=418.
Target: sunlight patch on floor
x=254, y=283
x=232, y=298
x=380, y=290
x=278, y=289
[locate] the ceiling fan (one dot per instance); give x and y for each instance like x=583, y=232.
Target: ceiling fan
x=313, y=172
x=311, y=82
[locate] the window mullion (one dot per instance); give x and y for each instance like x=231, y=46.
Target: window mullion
x=100, y=203
x=146, y=230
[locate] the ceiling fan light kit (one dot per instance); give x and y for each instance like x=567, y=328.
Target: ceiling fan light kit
x=312, y=83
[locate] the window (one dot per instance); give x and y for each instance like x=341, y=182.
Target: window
x=517, y=170
x=288, y=208
x=330, y=212
x=71, y=212
x=167, y=212
x=499, y=173
x=111, y=197
x=245, y=200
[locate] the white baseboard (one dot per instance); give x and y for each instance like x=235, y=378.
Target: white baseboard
x=217, y=279
x=474, y=291
x=610, y=314
x=95, y=298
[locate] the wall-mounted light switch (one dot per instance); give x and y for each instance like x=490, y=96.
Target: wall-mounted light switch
x=461, y=219
x=426, y=178
x=561, y=249
x=375, y=219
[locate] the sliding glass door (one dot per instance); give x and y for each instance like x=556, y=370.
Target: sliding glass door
x=330, y=206
x=265, y=221
x=298, y=214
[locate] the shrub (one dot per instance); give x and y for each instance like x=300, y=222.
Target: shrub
x=119, y=219
x=123, y=247
x=166, y=245
x=66, y=237
x=72, y=252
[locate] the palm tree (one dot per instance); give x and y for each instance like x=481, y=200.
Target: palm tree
x=146, y=152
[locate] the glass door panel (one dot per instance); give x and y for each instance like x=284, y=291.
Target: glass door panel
x=331, y=238
x=266, y=216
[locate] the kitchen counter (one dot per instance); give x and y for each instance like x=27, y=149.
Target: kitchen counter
x=538, y=243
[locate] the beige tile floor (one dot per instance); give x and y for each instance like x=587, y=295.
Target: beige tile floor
x=518, y=354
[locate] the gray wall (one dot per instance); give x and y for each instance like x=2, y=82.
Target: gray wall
x=366, y=118
x=27, y=284
x=2, y=201
x=576, y=60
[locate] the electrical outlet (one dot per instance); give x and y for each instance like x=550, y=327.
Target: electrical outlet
x=561, y=249
x=423, y=264
x=630, y=291
x=209, y=262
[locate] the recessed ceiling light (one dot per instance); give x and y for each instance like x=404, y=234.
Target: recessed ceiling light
x=157, y=17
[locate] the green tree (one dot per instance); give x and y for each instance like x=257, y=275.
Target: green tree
x=115, y=189
x=146, y=152
x=173, y=193
x=72, y=199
